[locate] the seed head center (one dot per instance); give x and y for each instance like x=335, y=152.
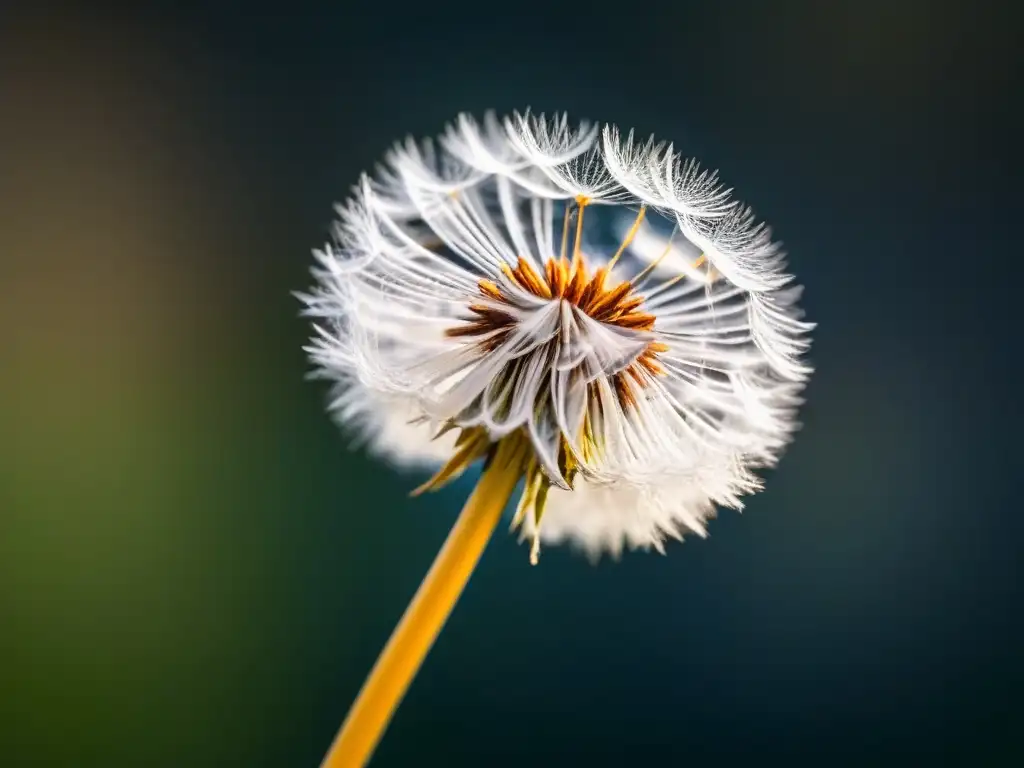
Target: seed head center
x=613, y=303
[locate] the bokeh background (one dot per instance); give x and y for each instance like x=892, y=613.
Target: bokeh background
x=196, y=571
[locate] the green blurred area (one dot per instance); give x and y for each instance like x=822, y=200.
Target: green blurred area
x=158, y=442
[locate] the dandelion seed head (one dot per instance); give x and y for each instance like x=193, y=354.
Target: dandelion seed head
x=601, y=299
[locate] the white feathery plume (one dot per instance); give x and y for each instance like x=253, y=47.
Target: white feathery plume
x=602, y=299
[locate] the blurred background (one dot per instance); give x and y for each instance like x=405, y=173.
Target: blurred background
x=194, y=568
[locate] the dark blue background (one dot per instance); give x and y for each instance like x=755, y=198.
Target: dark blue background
x=195, y=571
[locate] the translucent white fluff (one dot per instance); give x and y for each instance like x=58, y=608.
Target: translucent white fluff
x=391, y=427
x=428, y=311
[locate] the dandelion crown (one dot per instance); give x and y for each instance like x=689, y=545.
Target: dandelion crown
x=591, y=314
x=599, y=300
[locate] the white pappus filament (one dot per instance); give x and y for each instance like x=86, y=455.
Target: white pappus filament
x=600, y=298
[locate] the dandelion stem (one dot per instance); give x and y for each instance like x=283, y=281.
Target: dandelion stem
x=420, y=625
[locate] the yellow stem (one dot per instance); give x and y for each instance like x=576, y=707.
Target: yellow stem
x=628, y=238
x=577, y=257
x=420, y=625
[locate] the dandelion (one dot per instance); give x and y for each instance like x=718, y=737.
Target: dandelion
x=593, y=318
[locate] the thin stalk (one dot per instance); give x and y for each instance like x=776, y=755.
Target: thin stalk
x=419, y=627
